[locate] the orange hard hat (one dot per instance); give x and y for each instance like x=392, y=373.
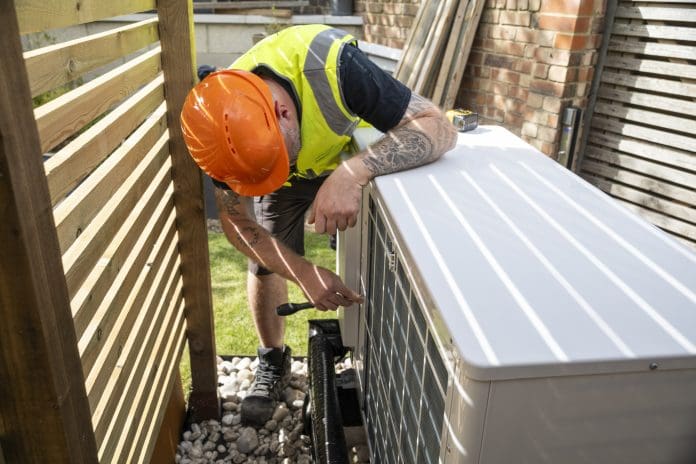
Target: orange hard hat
x=230, y=128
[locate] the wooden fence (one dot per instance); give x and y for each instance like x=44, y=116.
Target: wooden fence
x=641, y=147
x=103, y=248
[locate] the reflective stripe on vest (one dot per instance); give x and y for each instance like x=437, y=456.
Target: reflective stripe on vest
x=316, y=59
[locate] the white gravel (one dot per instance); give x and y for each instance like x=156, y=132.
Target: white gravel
x=279, y=441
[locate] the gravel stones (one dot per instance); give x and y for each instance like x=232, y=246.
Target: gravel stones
x=248, y=440
x=279, y=441
x=227, y=441
x=280, y=413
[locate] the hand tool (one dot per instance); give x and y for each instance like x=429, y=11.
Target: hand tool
x=287, y=309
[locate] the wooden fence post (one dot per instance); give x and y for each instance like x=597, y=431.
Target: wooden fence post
x=44, y=413
x=176, y=32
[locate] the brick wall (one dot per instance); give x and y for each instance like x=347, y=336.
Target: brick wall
x=387, y=22
x=530, y=60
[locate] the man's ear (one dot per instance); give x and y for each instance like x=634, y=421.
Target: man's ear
x=282, y=111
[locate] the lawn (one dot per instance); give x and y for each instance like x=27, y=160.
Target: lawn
x=234, y=329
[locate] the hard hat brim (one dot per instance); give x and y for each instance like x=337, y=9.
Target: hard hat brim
x=277, y=177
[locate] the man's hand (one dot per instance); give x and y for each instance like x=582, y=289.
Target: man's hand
x=337, y=202
x=325, y=289
x=423, y=135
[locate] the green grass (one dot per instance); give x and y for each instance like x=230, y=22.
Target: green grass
x=234, y=329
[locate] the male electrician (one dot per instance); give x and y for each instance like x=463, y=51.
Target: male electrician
x=270, y=131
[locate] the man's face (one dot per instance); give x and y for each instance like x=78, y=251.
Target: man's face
x=291, y=134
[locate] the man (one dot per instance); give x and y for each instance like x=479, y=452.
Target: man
x=273, y=127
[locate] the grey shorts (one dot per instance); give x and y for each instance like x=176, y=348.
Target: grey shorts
x=282, y=213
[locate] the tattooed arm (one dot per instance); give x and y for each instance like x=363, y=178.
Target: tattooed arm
x=321, y=286
x=422, y=136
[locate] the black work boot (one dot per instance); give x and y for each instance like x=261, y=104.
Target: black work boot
x=272, y=375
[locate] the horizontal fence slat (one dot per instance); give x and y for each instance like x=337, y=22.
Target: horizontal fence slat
x=644, y=133
x=142, y=448
x=127, y=299
x=677, y=201
x=69, y=166
x=133, y=320
x=646, y=150
x=138, y=232
x=66, y=115
x=678, y=230
x=653, y=84
x=82, y=256
x=642, y=204
x=673, y=105
x=102, y=322
x=52, y=66
x=661, y=68
x=657, y=13
x=655, y=32
x=74, y=214
x=134, y=357
x=687, y=52
x=122, y=428
x=645, y=167
x=41, y=15
x=115, y=292
x=648, y=118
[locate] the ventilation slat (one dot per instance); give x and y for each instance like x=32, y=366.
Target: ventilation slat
x=406, y=377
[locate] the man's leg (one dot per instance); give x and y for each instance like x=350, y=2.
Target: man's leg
x=282, y=214
x=265, y=294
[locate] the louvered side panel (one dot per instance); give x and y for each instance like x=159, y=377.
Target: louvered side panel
x=405, y=377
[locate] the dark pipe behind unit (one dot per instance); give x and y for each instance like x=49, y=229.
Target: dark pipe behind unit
x=328, y=439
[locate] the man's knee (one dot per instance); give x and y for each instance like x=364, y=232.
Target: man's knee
x=256, y=269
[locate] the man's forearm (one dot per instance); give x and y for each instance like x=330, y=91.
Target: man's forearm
x=254, y=241
x=423, y=136
x=321, y=286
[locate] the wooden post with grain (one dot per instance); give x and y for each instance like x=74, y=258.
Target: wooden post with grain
x=103, y=245
x=176, y=31
x=44, y=410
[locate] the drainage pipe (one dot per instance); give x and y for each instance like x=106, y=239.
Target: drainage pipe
x=329, y=441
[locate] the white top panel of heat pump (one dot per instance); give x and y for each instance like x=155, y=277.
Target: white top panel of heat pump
x=534, y=271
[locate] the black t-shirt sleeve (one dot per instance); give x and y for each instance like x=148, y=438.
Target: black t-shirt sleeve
x=370, y=92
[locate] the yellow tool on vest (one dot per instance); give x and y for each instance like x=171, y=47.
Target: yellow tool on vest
x=463, y=120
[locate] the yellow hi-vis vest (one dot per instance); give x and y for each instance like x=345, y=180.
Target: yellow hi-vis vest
x=307, y=58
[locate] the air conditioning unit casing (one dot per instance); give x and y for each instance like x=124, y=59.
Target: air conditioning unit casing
x=484, y=338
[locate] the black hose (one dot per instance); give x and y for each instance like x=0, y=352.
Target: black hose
x=327, y=425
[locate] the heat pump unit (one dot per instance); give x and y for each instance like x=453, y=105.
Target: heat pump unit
x=516, y=314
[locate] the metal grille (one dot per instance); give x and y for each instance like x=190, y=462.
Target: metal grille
x=405, y=377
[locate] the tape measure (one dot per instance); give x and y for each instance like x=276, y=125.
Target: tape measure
x=463, y=120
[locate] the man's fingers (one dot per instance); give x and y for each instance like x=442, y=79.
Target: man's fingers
x=341, y=223
x=333, y=301
x=344, y=301
x=330, y=227
x=320, y=224
x=310, y=218
x=350, y=295
x=352, y=220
